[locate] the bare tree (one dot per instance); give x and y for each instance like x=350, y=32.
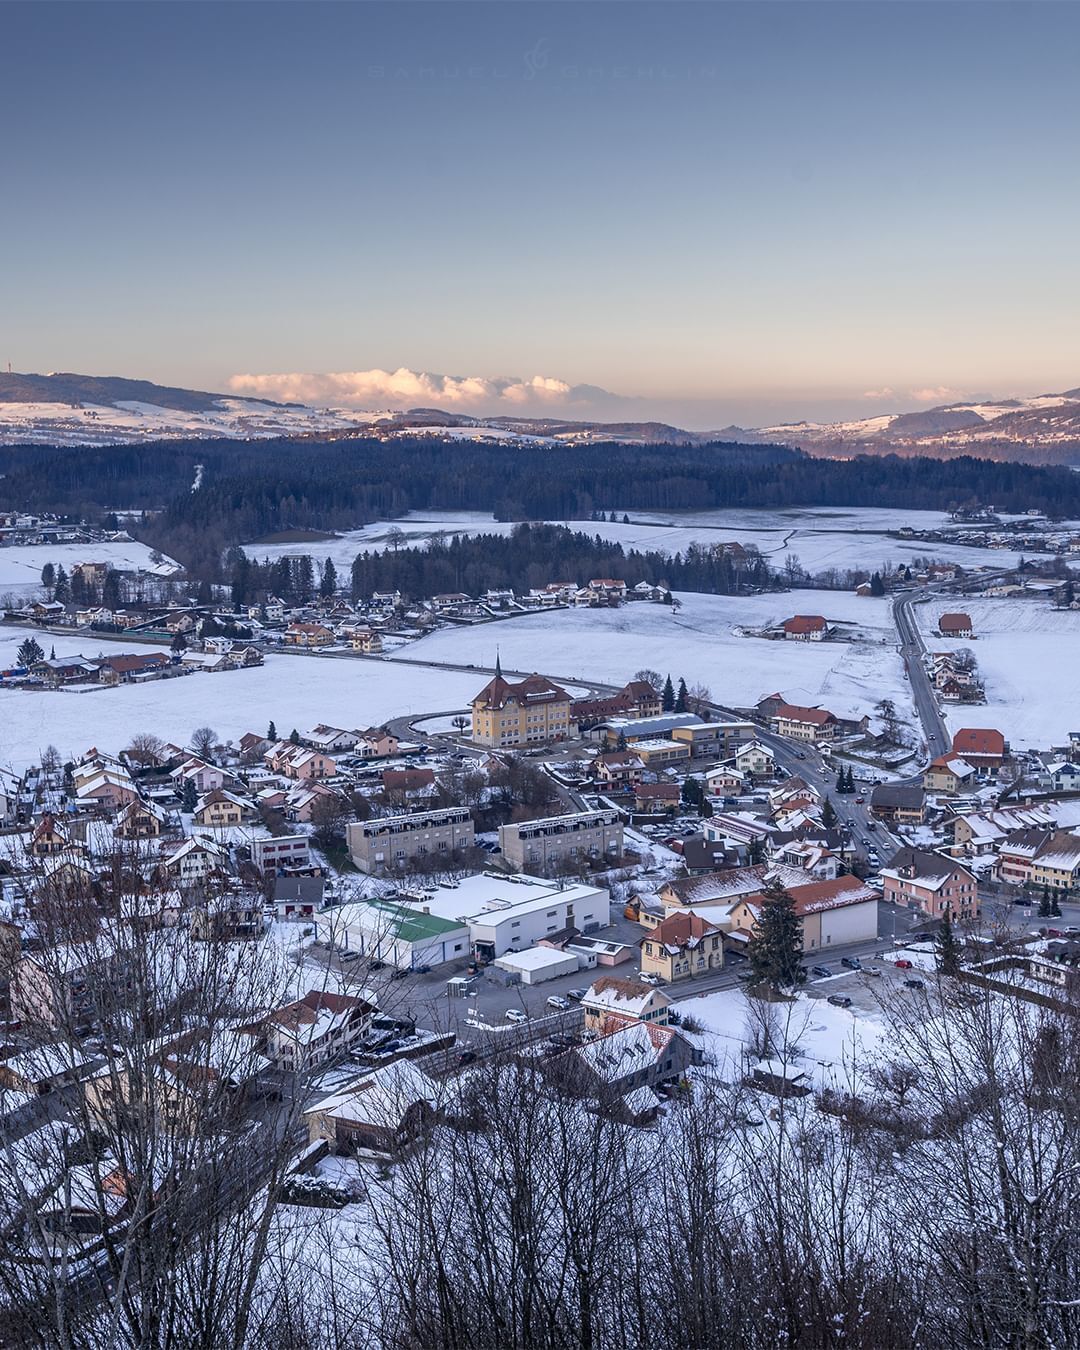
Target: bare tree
x=203, y=740
x=145, y=749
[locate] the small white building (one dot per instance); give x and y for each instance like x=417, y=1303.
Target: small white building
x=538, y=964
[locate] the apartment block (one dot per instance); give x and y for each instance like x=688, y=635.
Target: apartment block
x=392, y=841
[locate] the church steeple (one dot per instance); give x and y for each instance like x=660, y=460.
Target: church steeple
x=498, y=665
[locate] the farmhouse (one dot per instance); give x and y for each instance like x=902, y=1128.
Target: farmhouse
x=981, y=747
x=805, y=628
x=955, y=625
x=804, y=724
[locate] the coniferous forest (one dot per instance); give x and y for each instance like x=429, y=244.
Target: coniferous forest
x=249, y=489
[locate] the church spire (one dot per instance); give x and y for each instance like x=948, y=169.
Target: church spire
x=498, y=665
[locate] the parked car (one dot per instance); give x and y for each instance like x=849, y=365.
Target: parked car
x=348, y=956
x=377, y=965
x=557, y=1001
x=466, y=1056
x=647, y=977
x=576, y=994
x=859, y=801
x=840, y=1000
x=823, y=971
x=904, y=964
x=516, y=1015
x=852, y=962
x=399, y=974
x=914, y=984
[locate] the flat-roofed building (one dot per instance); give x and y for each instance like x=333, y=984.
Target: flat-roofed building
x=562, y=839
x=392, y=841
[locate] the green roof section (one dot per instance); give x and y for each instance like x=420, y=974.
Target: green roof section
x=412, y=925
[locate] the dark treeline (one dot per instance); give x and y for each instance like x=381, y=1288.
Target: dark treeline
x=531, y=556
x=254, y=488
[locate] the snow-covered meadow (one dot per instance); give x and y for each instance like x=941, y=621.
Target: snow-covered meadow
x=821, y=537
x=1028, y=654
x=700, y=642
x=296, y=691
x=21, y=564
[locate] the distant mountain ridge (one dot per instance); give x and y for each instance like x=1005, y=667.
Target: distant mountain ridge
x=70, y=409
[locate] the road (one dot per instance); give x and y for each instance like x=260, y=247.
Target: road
x=935, y=733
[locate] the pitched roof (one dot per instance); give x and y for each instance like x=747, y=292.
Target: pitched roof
x=954, y=623
x=978, y=741
x=815, y=896
x=681, y=930
x=805, y=623
x=625, y=996
x=533, y=689
x=929, y=870
x=791, y=712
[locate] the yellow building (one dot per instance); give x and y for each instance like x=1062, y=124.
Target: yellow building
x=527, y=713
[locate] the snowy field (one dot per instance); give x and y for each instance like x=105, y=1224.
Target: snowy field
x=821, y=537
x=21, y=564
x=295, y=691
x=836, y=1047
x=700, y=643
x=1028, y=655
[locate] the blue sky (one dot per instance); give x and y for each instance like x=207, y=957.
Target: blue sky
x=713, y=212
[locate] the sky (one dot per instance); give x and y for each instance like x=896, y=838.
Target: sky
x=706, y=213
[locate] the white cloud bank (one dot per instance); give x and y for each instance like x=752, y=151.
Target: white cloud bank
x=404, y=388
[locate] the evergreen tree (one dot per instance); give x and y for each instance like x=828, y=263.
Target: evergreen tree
x=620, y=743
x=667, y=699
x=271, y=731
x=110, y=590
x=189, y=796
x=29, y=652
x=680, y=698
x=1044, y=904
x=625, y=519
x=328, y=584
x=62, y=587
x=775, y=948
x=828, y=814
x=947, y=946
x=48, y=576
x=178, y=645
x=1055, y=905
x=294, y=737
x=877, y=586
x=693, y=794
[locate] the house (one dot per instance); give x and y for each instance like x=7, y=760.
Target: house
x=125, y=667
x=205, y=777
x=930, y=882
x=955, y=625
x=530, y=711
x=624, y=1061
x=561, y=841
x=805, y=628
x=722, y=889
x=220, y=809
x=724, y=781
x=1041, y=857
x=300, y=761
x=228, y=918
x=139, y=820
x=831, y=913
x=981, y=747
x=308, y=635
x=388, y=842
x=283, y=852
x=612, y=1003
x=313, y=1030
x=296, y=897
x=949, y=773
x=67, y=670
x=1060, y=775
x=363, y=639
x=804, y=724
x=400, y=785
x=756, y=759
x=55, y=989
x=332, y=740
x=107, y=788
x=617, y=769
x=300, y=802
x=193, y=862
x=682, y=946
x=48, y=838
x=377, y=743
x=701, y=856
x=379, y=1113
x=657, y=797
x=982, y=832
x=898, y=803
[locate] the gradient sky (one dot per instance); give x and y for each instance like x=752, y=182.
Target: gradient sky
x=731, y=212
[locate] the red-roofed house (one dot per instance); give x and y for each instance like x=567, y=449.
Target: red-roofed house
x=805, y=628
x=955, y=625
x=682, y=946
x=981, y=747
x=832, y=913
x=804, y=724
